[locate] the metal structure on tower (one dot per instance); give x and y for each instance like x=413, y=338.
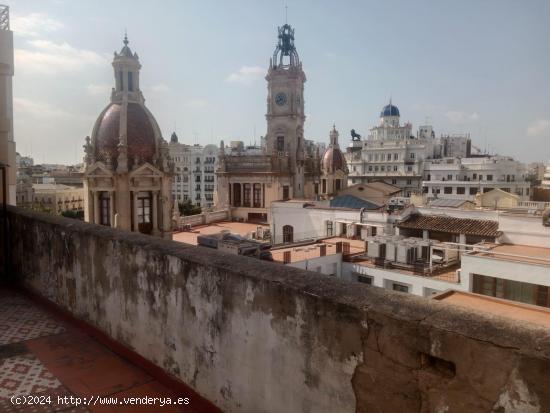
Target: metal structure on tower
x=285, y=47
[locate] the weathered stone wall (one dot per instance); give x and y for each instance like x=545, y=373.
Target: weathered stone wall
x=252, y=336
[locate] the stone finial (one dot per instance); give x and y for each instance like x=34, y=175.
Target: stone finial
x=88, y=151
x=122, y=160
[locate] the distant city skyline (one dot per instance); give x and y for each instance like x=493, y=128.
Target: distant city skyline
x=469, y=67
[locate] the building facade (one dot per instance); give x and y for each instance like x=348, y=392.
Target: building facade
x=248, y=183
x=7, y=141
x=128, y=174
x=463, y=178
x=391, y=153
x=194, y=173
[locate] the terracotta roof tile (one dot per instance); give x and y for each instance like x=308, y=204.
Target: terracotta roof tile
x=452, y=225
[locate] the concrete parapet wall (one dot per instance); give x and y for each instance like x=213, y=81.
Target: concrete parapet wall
x=253, y=336
x=203, y=219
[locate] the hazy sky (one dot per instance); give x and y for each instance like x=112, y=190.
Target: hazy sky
x=467, y=66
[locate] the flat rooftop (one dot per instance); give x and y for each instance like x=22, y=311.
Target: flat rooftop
x=312, y=250
x=447, y=274
x=496, y=306
x=41, y=355
x=516, y=253
x=241, y=228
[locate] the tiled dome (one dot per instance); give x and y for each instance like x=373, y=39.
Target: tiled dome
x=140, y=132
x=333, y=160
x=389, y=110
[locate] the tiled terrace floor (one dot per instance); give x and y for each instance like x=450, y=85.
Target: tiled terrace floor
x=43, y=356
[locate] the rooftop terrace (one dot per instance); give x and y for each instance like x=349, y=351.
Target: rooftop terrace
x=516, y=253
x=44, y=356
x=512, y=309
x=241, y=228
x=254, y=336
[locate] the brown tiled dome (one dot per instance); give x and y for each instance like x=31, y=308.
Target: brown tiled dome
x=333, y=160
x=140, y=133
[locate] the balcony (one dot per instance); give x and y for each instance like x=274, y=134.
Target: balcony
x=148, y=316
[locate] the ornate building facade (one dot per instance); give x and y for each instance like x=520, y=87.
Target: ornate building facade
x=249, y=183
x=128, y=173
x=391, y=153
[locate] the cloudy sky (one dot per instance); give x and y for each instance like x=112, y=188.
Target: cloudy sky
x=474, y=66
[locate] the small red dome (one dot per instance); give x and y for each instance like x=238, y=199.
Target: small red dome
x=139, y=131
x=334, y=160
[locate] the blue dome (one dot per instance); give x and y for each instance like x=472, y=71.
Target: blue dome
x=389, y=110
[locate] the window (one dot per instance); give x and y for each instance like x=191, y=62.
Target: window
x=505, y=189
x=288, y=234
x=473, y=191
x=280, y=143
x=104, y=209
x=382, y=168
x=246, y=195
x=286, y=192
x=120, y=79
x=144, y=213
x=400, y=287
x=448, y=190
x=376, y=168
x=257, y=199
x=449, y=177
x=316, y=187
x=370, y=168
x=511, y=290
x=395, y=156
x=236, y=195
x=412, y=155
x=395, y=168
x=409, y=181
x=388, y=157
x=329, y=229
x=130, y=81
x=338, y=184
x=394, y=181
x=489, y=177
x=324, y=184
x=365, y=279
x=460, y=190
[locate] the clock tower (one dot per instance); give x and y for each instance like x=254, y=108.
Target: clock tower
x=285, y=108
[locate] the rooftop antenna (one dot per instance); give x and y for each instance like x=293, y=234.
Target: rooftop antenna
x=125, y=37
x=286, y=14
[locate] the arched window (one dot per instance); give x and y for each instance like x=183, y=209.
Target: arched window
x=288, y=233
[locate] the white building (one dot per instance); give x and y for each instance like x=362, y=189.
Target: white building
x=424, y=250
x=463, y=178
x=391, y=153
x=195, y=172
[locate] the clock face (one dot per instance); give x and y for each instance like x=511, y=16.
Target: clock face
x=280, y=99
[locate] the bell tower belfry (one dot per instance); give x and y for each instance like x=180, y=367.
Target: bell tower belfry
x=285, y=107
